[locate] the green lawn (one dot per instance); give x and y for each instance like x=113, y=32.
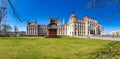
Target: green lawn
x=49, y=48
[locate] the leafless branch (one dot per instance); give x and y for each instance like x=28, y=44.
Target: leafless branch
x=13, y=9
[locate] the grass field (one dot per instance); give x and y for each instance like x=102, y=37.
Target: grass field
x=50, y=48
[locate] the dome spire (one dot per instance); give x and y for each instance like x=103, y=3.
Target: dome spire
x=73, y=15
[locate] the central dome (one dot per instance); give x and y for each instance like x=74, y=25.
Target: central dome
x=73, y=18
x=73, y=15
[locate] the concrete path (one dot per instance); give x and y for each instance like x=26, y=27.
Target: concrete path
x=101, y=37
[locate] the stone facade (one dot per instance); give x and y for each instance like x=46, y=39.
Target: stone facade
x=62, y=29
x=83, y=27
x=75, y=27
x=52, y=28
x=32, y=29
x=115, y=33
x=42, y=30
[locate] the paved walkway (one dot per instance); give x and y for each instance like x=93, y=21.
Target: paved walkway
x=100, y=37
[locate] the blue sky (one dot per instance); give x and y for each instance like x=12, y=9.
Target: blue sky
x=40, y=10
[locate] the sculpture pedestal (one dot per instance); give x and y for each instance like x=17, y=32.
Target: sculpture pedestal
x=51, y=33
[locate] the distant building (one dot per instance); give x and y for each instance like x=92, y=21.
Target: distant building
x=115, y=33
x=20, y=33
x=75, y=27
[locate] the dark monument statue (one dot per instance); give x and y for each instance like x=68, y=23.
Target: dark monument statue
x=52, y=28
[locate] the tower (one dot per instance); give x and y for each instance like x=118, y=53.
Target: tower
x=73, y=17
x=52, y=28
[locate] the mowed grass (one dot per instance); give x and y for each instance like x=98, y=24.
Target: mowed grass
x=49, y=48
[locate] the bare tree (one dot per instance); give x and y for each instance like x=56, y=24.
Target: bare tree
x=101, y=4
x=16, y=30
x=6, y=29
x=3, y=12
x=14, y=11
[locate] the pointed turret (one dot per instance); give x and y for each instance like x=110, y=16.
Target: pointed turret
x=63, y=21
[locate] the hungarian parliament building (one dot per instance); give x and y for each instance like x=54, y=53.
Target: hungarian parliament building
x=75, y=27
